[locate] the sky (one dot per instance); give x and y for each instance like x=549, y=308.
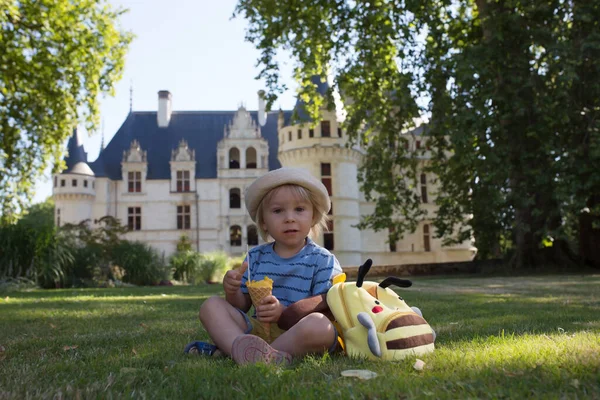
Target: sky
x=191, y=48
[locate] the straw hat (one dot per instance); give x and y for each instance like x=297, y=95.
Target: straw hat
x=284, y=176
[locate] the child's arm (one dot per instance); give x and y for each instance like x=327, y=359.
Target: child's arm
x=232, y=282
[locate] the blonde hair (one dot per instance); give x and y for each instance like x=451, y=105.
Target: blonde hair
x=320, y=217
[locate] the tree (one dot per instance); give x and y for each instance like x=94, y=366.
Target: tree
x=56, y=57
x=512, y=94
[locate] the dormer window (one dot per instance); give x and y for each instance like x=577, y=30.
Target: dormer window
x=134, y=182
x=183, y=168
x=251, y=158
x=234, y=158
x=183, y=181
x=134, y=166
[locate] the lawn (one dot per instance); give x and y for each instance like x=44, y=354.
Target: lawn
x=518, y=337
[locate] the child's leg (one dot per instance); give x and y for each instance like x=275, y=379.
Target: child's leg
x=223, y=322
x=312, y=334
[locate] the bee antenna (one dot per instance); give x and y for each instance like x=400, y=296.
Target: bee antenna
x=363, y=270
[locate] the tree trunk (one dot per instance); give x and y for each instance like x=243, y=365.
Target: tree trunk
x=589, y=235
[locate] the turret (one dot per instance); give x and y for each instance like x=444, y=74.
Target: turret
x=74, y=189
x=319, y=146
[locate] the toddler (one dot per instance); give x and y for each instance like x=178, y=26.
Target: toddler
x=287, y=205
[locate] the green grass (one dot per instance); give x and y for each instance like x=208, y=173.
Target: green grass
x=521, y=337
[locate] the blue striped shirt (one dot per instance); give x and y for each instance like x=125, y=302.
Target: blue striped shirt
x=306, y=274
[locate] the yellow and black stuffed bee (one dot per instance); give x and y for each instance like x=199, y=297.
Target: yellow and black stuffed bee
x=372, y=320
x=375, y=322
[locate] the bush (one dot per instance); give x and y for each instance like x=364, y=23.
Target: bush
x=213, y=266
x=186, y=266
x=142, y=263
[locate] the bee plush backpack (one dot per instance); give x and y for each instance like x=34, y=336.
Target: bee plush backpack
x=375, y=322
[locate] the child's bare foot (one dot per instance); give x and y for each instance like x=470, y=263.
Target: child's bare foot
x=250, y=349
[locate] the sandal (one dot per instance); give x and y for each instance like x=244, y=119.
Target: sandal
x=250, y=349
x=200, y=348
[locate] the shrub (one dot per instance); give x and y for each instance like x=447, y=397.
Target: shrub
x=186, y=266
x=213, y=266
x=142, y=263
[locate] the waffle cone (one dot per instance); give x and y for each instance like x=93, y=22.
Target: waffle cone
x=259, y=293
x=258, y=290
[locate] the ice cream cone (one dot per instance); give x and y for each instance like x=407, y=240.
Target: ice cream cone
x=259, y=290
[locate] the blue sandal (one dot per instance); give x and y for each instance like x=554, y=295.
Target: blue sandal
x=200, y=348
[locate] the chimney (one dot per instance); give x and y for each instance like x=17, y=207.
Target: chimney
x=262, y=113
x=164, y=109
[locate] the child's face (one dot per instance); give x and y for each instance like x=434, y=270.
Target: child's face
x=288, y=219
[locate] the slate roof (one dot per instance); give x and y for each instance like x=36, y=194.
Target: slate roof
x=301, y=114
x=75, y=153
x=201, y=129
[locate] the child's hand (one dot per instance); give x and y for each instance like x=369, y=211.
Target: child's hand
x=269, y=310
x=232, y=281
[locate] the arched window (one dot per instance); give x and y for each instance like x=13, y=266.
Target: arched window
x=234, y=198
x=234, y=158
x=235, y=235
x=250, y=157
x=252, y=235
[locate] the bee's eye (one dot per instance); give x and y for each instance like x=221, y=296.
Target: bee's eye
x=376, y=302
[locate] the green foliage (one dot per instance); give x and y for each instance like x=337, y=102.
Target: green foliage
x=56, y=58
x=186, y=266
x=213, y=266
x=184, y=244
x=511, y=90
x=142, y=263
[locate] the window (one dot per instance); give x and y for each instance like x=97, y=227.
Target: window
x=392, y=243
x=311, y=133
x=418, y=144
x=235, y=236
x=251, y=158
x=339, y=132
x=58, y=217
x=326, y=176
x=55, y=181
x=289, y=136
x=424, y=188
x=328, y=236
x=426, y=243
x=134, y=179
x=63, y=183
x=74, y=182
x=183, y=217
x=252, y=235
x=325, y=129
x=183, y=181
x=299, y=133
x=234, y=158
x=134, y=218
x=235, y=198
x=85, y=183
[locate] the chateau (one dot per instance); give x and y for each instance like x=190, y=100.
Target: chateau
x=167, y=173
